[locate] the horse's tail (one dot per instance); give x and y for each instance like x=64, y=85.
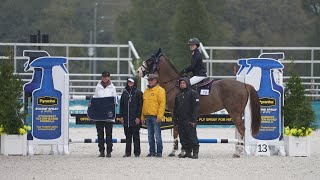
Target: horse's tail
x=255, y=110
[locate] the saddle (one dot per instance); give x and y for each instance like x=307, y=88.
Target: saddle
x=203, y=87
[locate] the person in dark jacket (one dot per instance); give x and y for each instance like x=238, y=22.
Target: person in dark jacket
x=185, y=114
x=130, y=113
x=197, y=68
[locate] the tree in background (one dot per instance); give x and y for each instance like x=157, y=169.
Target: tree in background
x=147, y=24
x=312, y=8
x=66, y=21
x=190, y=20
x=297, y=108
x=152, y=24
x=17, y=19
x=11, y=117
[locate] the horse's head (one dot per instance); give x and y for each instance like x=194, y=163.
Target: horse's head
x=149, y=66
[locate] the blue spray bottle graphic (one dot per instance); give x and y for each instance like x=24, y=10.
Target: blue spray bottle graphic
x=243, y=69
x=29, y=87
x=47, y=101
x=281, y=90
x=36, y=79
x=270, y=96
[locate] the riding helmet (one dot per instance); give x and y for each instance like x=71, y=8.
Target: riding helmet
x=194, y=41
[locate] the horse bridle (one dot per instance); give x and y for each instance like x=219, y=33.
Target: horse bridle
x=153, y=67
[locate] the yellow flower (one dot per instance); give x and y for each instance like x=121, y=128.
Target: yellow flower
x=1, y=130
x=22, y=131
x=297, y=132
x=28, y=128
x=309, y=131
x=293, y=131
x=286, y=131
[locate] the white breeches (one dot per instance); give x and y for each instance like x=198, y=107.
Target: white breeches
x=196, y=79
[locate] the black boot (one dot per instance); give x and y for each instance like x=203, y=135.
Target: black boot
x=195, y=156
x=101, y=154
x=182, y=152
x=195, y=153
x=187, y=154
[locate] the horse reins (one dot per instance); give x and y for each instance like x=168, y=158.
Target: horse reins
x=175, y=85
x=154, y=67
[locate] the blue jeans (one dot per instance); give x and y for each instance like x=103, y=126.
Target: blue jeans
x=154, y=135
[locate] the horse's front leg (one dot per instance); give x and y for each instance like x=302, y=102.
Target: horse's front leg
x=239, y=149
x=175, y=142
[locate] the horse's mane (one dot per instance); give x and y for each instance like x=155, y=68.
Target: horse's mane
x=170, y=63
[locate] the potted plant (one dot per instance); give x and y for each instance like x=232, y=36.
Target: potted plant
x=12, y=129
x=299, y=118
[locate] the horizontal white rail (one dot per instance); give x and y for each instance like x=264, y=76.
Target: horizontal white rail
x=64, y=45
x=282, y=61
x=260, y=48
x=98, y=59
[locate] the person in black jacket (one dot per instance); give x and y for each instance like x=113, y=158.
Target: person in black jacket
x=197, y=68
x=130, y=113
x=185, y=115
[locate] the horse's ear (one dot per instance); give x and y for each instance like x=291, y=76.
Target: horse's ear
x=159, y=52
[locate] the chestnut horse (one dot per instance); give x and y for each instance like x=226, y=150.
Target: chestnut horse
x=226, y=94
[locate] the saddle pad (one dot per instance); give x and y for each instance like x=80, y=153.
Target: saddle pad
x=102, y=109
x=204, y=88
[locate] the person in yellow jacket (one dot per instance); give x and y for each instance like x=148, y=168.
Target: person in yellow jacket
x=154, y=103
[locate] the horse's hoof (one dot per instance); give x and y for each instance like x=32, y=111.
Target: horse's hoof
x=171, y=155
x=236, y=156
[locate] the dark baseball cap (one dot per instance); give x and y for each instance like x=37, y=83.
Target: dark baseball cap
x=153, y=76
x=105, y=74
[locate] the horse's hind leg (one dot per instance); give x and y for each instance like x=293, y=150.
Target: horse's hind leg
x=175, y=142
x=241, y=129
x=239, y=124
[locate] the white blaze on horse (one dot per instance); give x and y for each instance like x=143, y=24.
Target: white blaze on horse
x=226, y=94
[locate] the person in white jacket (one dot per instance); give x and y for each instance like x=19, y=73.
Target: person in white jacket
x=105, y=88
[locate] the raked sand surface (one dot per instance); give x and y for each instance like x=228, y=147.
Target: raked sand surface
x=215, y=162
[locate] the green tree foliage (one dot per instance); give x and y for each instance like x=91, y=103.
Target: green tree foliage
x=153, y=24
x=147, y=24
x=312, y=8
x=190, y=20
x=64, y=21
x=17, y=19
x=266, y=23
x=167, y=24
x=11, y=119
x=297, y=108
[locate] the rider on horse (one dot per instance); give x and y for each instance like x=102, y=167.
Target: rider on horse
x=197, y=68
